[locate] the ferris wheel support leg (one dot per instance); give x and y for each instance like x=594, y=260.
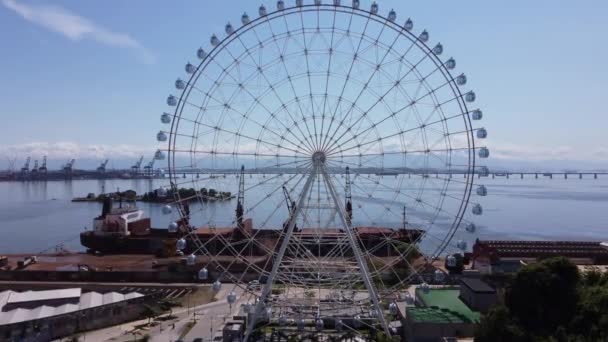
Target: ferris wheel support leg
x=371, y=289
x=277, y=262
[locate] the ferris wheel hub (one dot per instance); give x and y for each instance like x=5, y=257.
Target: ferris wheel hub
x=319, y=157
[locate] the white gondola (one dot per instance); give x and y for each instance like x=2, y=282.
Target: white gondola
x=300, y=324
x=245, y=19
x=339, y=325
x=319, y=324
x=229, y=29
x=165, y=118
x=215, y=41
x=167, y=209
x=216, y=286
x=471, y=228
x=484, y=152
x=425, y=288
x=336, y=2
x=262, y=11
x=409, y=24
x=482, y=133
x=483, y=171
x=356, y=4
x=392, y=15
x=470, y=97
x=461, y=79
x=191, y=260
x=450, y=63
x=439, y=276
x=299, y=3
x=477, y=114
x=203, y=274
x=159, y=155
x=231, y=298
x=190, y=68
x=280, y=5
x=374, y=8
x=477, y=209
x=161, y=136
x=180, y=244
x=424, y=36
x=201, y=54
x=450, y=261
x=393, y=309
x=438, y=49
x=179, y=84
x=171, y=100
x=461, y=244
x=282, y=320
x=173, y=227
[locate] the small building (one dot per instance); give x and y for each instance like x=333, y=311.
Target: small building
x=233, y=331
x=477, y=294
x=439, y=313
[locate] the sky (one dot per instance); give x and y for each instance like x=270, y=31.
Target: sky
x=89, y=79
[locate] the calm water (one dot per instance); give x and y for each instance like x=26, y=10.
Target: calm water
x=35, y=216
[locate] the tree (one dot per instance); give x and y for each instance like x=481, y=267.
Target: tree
x=544, y=295
x=498, y=326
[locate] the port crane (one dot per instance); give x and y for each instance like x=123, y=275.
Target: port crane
x=149, y=168
x=68, y=168
x=26, y=167
x=102, y=167
x=136, y=168
x=34, y=171
x=42, y=169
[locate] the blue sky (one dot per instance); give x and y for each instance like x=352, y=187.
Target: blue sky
x=91, y=78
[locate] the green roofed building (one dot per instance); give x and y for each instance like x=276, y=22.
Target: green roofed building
x=440, y=313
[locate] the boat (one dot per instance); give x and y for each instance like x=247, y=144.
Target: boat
x=126, y=230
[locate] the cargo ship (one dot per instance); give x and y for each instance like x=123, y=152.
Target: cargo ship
x=126, y=230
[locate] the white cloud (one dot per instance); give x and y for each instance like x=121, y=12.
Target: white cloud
x=67, y=150
x=75, y=27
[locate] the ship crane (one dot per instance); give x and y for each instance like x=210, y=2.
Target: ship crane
x=102, y=167
x=149, y=168
x=348, y=200
x=136, y=168
x=291, y=207
x=240, y=204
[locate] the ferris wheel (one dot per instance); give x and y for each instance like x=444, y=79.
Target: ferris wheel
x=327, y=153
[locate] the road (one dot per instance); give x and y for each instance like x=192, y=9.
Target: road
x=208, y=321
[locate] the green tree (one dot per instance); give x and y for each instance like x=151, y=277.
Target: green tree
x=544, y=295
x=499, y=326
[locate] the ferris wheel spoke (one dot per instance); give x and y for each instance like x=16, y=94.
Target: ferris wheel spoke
x=378, y=67
x=390, y=115
x=309, y=80
x=289, y=77
x=380, y=99
x=268, y=83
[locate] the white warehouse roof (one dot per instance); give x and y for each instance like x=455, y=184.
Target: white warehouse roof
x=85, y=301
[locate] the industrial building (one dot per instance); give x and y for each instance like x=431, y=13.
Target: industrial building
x=49, y=314
x=501, y=256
